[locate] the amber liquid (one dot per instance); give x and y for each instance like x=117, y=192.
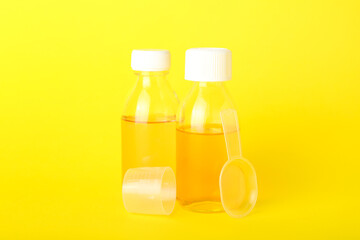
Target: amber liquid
x=148, y=144
x=200, y=158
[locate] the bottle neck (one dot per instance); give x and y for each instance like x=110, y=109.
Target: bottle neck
x=200, y=111
x=210, y=84
x=152, y=99
x=210, y=87
x=151, y=79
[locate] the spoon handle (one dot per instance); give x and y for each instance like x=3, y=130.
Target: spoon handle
x=231, y=130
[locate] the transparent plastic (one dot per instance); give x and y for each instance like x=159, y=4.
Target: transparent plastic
x=149, y=190
x=201, y=150
x=238, y=182
x=149, y=123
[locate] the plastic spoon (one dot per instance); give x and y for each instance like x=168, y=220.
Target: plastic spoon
x=238, y=183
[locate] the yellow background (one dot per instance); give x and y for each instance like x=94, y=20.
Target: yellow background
x=64, y=75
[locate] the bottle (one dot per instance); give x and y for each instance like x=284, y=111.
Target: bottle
x=201, y=148
x=149, y=119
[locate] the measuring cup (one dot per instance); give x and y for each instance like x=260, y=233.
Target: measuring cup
x=149, y=190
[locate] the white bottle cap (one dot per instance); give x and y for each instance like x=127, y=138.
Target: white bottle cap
x=208, y=64
x=150, y=60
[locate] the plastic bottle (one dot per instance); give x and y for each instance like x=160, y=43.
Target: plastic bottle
x=201, y=148
x=149, y=119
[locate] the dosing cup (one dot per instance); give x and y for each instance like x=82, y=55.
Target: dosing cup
x=149, y=190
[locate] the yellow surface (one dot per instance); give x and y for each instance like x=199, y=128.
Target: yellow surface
x=64, y=74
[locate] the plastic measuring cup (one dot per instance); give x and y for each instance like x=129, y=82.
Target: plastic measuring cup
x=238, y=183
x=149, y=190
